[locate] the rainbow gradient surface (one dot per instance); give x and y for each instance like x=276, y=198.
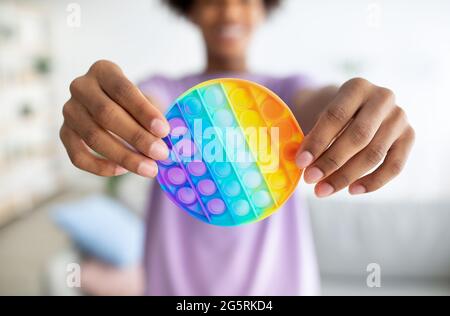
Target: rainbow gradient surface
x=223, y=180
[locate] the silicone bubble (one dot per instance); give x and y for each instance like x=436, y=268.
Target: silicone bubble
x=232, y=150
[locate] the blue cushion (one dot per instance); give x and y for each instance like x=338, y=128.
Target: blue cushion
x=104, y=229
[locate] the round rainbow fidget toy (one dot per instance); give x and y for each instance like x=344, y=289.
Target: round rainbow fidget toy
x=230, y=191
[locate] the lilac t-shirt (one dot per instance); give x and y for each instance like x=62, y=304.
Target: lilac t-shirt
x=186, y=257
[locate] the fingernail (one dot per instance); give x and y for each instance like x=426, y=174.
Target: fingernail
x=147, y=169
x=358, y=189
x=313, y=175
x=159, y=128
x=120, y=171
x=305, y=159
x=324, y=190
x=159, y=151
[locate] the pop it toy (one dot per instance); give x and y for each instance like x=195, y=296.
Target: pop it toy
x=232, y=150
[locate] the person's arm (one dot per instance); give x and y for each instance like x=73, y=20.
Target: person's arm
x=310, y=103
x=350, y=131
x=108, y=115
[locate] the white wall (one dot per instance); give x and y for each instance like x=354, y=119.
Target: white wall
x=398, y=43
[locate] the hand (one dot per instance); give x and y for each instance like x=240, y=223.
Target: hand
x=108, y=115
x=360, y=128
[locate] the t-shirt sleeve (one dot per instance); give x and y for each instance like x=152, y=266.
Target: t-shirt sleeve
x=158, y=88
x=292, y=85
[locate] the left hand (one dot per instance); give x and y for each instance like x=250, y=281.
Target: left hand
x=359, y=129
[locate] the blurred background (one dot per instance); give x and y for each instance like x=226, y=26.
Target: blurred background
x=45, y=44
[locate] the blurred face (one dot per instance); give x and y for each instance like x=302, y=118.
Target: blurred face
x=227, y=25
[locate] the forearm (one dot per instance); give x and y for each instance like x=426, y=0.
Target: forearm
x=310, y=103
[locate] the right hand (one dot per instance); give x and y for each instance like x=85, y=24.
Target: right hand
x=110, y=116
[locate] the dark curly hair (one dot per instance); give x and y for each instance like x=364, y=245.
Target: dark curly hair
x=183, y=6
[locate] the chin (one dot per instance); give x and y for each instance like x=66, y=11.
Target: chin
x=229, y=50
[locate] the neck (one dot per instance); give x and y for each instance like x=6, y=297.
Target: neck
x=217, y=65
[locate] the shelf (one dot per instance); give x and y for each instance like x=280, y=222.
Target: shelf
x=28, y=124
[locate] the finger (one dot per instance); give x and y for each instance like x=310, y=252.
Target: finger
x=367, y=159
x=124, y=92
x=114, y=118
x=337, y=115
x=389, y=169
x=356, y=136
x=102, y=142
x=83, y=159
